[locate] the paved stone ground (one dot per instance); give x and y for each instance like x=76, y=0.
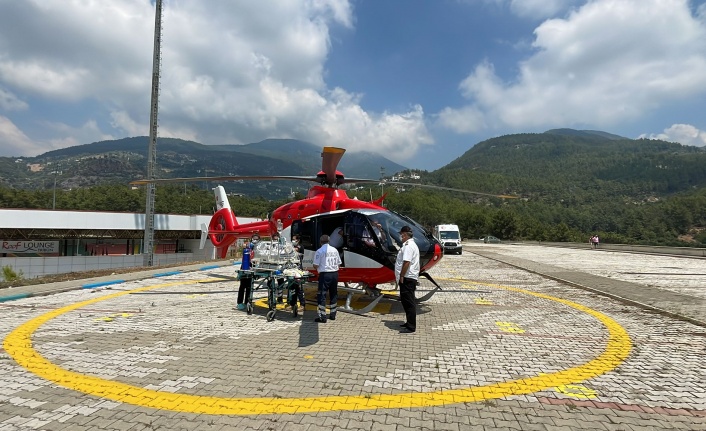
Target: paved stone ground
x=670, y=284
x=500, y=348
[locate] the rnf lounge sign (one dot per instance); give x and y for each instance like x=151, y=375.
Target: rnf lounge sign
x=17, y=247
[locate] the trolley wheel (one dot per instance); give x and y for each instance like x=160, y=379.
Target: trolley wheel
x=248, y=308
x=271, y=315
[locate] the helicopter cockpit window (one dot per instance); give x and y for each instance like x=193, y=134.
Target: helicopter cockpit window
x=391, y=223
x=360, y=234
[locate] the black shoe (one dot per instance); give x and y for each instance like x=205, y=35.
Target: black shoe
x=407, y=330
x=332, y=317
x=319, y=320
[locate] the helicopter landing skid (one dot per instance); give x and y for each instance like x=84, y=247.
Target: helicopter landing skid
x=428, y=295
x=364, y=289
x=431, y=293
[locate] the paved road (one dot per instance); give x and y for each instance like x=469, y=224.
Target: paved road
x=500, y=348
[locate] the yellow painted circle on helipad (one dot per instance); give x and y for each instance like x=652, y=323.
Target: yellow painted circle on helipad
x=18, y=344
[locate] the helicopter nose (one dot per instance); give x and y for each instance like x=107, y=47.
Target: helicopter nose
x=437, y=252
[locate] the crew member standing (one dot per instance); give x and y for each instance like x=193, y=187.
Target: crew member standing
x=246, y=279
x=407, y=276
x=326, y=263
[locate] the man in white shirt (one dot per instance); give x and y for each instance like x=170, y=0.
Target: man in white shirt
x=326, y=263
x=407, y=276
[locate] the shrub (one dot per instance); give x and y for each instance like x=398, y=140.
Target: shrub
x=10, y=275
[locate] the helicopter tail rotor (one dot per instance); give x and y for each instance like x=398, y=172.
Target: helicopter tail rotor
x=223, y=220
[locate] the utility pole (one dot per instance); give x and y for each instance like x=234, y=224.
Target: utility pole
x=53, y=201
x=148, y=251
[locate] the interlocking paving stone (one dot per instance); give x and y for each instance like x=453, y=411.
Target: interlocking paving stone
x=492, y=323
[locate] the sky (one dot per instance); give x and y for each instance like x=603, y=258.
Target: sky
x=418, y=81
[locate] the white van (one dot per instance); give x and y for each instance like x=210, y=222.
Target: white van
x=450, y=238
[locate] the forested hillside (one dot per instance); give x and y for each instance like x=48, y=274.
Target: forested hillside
x=169, y=199
x=124, y=160
x=570, y=185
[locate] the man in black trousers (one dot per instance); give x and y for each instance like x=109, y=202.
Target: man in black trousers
x=407, y=275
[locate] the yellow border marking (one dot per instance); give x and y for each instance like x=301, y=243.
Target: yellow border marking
x=510, y=327
x=576, y=391
x=113, y=316
x=18, y=344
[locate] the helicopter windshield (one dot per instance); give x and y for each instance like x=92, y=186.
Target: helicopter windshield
x=389, y=224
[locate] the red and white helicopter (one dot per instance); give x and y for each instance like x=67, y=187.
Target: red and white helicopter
x=368, y=259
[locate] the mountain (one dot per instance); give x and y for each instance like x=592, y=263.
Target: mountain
x=565, y=162
x=362, y=164
x=584, y=133
x=571, y=183
x=124, y=160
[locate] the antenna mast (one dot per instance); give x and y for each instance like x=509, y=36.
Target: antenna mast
x=148, y=251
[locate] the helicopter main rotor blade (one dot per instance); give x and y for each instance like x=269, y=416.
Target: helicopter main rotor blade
x=429, y=186
x=224, y=178
x=358, y=181
x=330, y=157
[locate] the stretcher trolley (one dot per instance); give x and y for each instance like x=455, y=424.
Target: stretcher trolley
x=276, y=281
x=275, y=268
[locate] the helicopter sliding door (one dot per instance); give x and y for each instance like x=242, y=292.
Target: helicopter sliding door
x=306, y=229
x=311, y=229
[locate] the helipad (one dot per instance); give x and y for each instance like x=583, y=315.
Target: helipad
x=495, y=338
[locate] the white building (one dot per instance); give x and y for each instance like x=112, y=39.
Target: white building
x=38, y=242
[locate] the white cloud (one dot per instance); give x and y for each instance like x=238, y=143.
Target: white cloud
x=232, y=72
x=465, y=120
x=609, y=62
x=10, y=102
x=14, y=142
x=683, y=133
x=86, y=133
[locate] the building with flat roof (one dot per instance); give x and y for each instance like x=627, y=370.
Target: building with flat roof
x=38, y=242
